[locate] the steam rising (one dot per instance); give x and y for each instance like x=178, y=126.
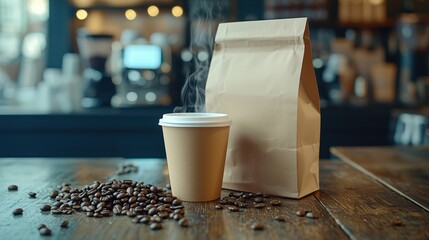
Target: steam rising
x=204, y=15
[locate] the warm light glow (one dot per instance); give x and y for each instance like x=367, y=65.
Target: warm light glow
x=376, y=2
x=153, y=11
x=177, y=11
x=38, y=8
x=130, y=14
x=81, y=14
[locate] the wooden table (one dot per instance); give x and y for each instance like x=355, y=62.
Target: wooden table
x=404, y=170
x=350, y=205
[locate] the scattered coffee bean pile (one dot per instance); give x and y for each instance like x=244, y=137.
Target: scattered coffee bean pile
x=145, y=203
x=241, y=200
x=127, y=168
x=306, y=213
x=238, y=201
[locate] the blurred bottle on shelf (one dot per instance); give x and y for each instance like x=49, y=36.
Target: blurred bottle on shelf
x=413, y=31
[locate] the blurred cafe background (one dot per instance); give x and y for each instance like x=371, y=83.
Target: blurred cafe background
x=91, y=78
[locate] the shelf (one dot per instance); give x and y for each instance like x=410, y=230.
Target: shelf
x=123, y=5
x=367, y=25
x=120, y=4
x=281, y=7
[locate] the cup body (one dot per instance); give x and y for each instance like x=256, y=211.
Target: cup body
x=196, y=156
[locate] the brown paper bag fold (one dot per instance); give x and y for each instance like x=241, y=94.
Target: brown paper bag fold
x=262, y=75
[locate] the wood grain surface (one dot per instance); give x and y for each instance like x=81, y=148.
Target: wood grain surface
x=350, y=206
x=366, y=209
x=405, y=170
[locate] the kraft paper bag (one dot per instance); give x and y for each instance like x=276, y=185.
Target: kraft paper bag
x=262, y=75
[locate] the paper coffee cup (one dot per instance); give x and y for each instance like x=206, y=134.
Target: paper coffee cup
x=195, y=144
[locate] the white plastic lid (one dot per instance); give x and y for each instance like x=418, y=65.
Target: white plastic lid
x=195, y=120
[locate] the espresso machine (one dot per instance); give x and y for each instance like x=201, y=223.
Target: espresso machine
x=142, y=72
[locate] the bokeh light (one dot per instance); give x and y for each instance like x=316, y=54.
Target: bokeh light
x=81, y=14
x=177, y=11
x=153, y=11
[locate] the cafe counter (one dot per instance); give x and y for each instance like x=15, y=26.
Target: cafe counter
x=135, y=132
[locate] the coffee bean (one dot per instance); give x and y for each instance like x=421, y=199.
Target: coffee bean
x=311, y=215
x=54, y=194
x=152, y=211
x=56, y=212
x=184, y=222
x=105, y=212
x=233, y=209
x=155, y=226
x=131, y=213
x=257, y=227
x=132, y=199
x=145, y=220
x=177, y=207
x=76, y=207
x=241, y=204
x=45, y=231
x=280, y=218
x=117, y=209
x=260, y=205
x=276, y=202
x=258, y=200
x=101, y=205
x=300, y=213
x=32, y=194
x=18, y=211
x=177, y=216
x=218, y=207
x=234, y=194
x=46, y=208
x=168, y=186
x=138, y=209
x=155, y=219
x=41, y=226
x=397, y=222
x=163, y=214
x=179, y=211
x=64, y=206
x=121, y=195
x=12, y=188
x=64, y=224
x=223, y=201
x=245, y=196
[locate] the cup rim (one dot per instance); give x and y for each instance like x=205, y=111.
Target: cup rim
x=195, y=120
